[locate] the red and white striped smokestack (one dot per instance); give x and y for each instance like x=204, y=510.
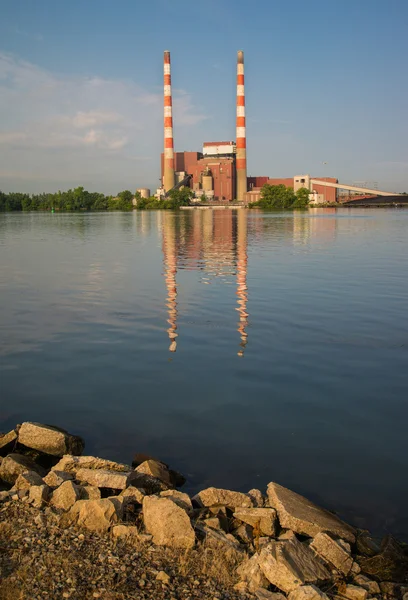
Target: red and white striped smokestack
x=168, y=176
x=241, y=130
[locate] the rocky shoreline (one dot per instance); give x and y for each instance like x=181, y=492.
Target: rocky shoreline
x=77, y=526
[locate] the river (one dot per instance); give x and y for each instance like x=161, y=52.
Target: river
x=241, y=347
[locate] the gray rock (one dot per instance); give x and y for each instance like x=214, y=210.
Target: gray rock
x=262, y=519
x=180, y=498
x=168, y=523
x=332, y=552
x=217, y=537
x=302, y=516
x=71, y=464
x=95, y=515
x=15, y=464
x=4, y=496
x=250, y=572
x=129, y=533
x=262, y=594
x=257, y=498
x=49, y=440
x=307, y=592
x=8, y=441
x=213, y=523
x=56, y=478
x=366, y=544
x=65, y=496
x=90, y=492
x=244, y=533
x=155, y=469
x=390, y=589
x=215, y=496
x=371, y=586
x=26, y=480
x=38, y=495
x=151, y=485
x=133, y=494
x=288, y=564
x=354, y=592
x=102, y=478
x=390, y=565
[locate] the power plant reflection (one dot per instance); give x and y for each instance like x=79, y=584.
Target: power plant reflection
x=214, y=243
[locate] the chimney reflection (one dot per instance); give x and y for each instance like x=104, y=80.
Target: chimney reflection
x=242, y=288
x=209, y=241
x=170, y=271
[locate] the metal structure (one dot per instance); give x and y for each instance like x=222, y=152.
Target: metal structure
x=241, y=166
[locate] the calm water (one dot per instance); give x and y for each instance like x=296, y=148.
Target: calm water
x=240, y=347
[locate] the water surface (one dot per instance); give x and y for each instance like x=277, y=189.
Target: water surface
x=239, y=346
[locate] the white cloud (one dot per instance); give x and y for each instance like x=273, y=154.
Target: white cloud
x=83, y=130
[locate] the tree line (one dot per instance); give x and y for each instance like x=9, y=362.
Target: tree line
x=81, y=199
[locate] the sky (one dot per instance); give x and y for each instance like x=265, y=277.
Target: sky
x=81, y=87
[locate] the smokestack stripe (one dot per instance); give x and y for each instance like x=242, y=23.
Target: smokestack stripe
x=241, y=130
x=169, y=178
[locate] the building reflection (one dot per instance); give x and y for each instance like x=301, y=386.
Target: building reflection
x=213, y=242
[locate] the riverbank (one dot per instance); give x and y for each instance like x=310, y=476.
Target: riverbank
x=77, y=526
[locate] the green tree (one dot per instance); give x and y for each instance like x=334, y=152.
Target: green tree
x=276, y=196
x=180, y=197
x=302, y=198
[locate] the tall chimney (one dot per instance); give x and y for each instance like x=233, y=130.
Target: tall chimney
x=241, y=130
x=169, y=177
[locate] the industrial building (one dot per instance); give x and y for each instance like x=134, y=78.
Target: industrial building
x=219, y=172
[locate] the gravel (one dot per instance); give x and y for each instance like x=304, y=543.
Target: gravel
x=40, y=560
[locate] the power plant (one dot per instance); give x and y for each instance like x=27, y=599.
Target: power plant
x=219, y=172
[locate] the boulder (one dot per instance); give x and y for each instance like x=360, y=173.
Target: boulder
x=332, y=552
x=95, y=515
x=168, y=523
x=250, y=572
x=7, y=442
x=26, y=480
x=257, y=498
x=56, y=478
x=217, y=538
x=49, y=440
x=213, y=523
x=4, y=496
x=65, y=495
x=90, y=492
x=38, y=495
x=390, y=565
x=102, y=478
x=262, y=519
x=71, y=464
x=128, y=533
x=371, y=586
x=215, y=496
x=180, y=498
x=151, y=485
x=262, y=594
x=307, y=592
x=354, y=592
x=302, y=516
x=390, y=589
x=244, y=533
x=366, y=544
x=14, y=465
x=288, y=564
x=133, y=494
x=155, y=469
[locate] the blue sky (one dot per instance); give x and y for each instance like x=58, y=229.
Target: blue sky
x=81, y=88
